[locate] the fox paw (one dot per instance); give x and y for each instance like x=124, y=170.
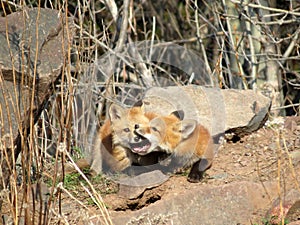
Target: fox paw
x=195, y=177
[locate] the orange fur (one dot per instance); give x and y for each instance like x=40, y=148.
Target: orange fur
x=114, y=138
x=188, y=142
x=112, y=143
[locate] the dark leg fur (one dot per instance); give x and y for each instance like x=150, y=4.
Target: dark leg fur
x=197, y=171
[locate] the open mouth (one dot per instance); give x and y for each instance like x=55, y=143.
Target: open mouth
x=140, y=147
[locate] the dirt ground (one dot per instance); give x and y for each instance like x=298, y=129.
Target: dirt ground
x=269, y=154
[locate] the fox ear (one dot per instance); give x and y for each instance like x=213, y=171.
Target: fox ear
x=179, y=114
x=140, y=104
x=116, y=111
x=187, y=127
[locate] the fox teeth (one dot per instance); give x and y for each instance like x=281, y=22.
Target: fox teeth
x=142, y=149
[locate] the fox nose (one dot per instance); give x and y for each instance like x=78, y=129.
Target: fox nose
x=136, y=139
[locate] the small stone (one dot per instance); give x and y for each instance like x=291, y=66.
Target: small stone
x=132, y=187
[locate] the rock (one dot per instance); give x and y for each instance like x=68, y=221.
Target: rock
x=34, y=44
x=295, y=156
x=290, y=205
x=132, y=187
x=227, y=204
x=234, y=111
x=295, y=223
x=18, y=71
x=39, y=195
x=23, y=38
x=291, y=123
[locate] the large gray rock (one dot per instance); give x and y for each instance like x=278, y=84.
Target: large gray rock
x=34, y=37
x=238, y=111
x=34, y=46
x=203, y=204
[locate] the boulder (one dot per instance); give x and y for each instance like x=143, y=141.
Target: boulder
x=228, y=204
x=221, y=110
x=34, y=46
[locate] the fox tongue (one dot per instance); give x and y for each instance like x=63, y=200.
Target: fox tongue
x=140, y=147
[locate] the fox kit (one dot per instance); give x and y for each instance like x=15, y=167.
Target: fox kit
x=117, y=141
x=188, y=142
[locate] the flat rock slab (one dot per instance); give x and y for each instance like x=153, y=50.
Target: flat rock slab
x=238, y=111
x=132, y=187
x=32, y=38
x=224, y=205
x=34, y=44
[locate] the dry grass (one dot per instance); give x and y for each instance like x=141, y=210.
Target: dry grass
x=236, y=49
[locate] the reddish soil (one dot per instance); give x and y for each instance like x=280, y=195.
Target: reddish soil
x=270, y=154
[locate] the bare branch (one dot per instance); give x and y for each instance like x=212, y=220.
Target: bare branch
x=292, y=44
x=266, y=8
x=202, y=46
x=112, y=6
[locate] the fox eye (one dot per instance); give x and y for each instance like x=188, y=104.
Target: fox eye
x=126, y=130
x=136, y=126
x=154, y=129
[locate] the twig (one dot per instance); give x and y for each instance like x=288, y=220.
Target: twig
x=123, y=31
x=266, y=8
x=145, y=72
x=291, y=45
x=97, y=199
x=152, y=38
x=206, y=20
x=285, y=107
x=252, y=51
x=234, y=47
x=110, y=50
x=112, y=6
x=279, y=157
x=202, y=46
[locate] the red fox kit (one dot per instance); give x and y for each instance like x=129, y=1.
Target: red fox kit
x=117, y=141
x=188, y=142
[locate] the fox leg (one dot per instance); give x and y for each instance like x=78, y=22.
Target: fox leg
x=197, y=170
x=115, y=160
x=122, y=159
